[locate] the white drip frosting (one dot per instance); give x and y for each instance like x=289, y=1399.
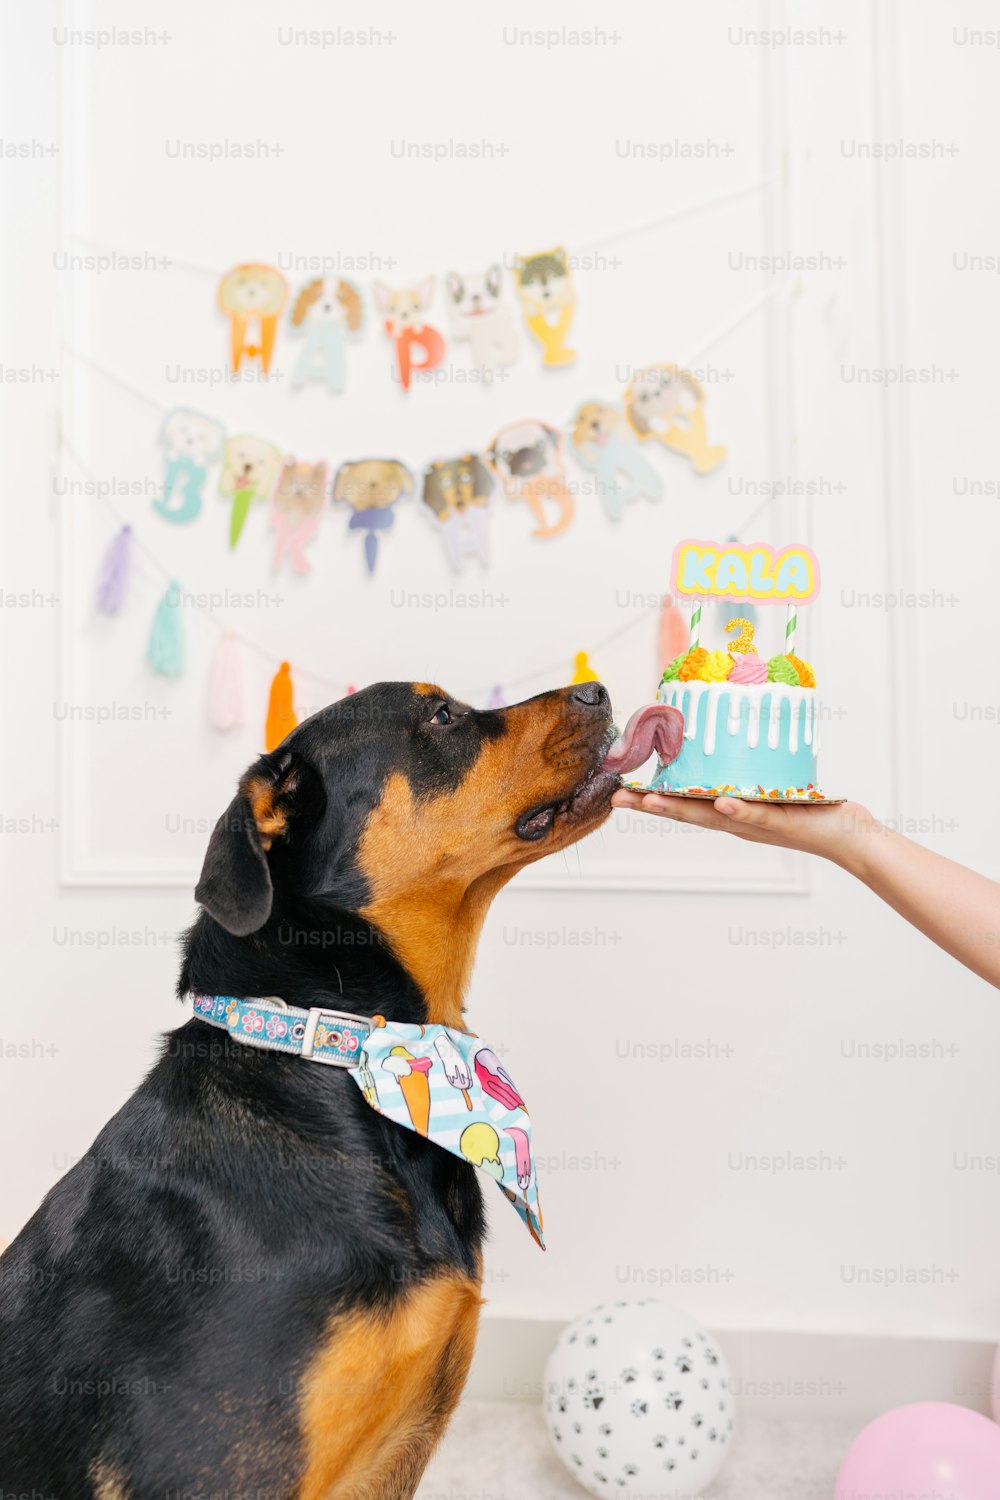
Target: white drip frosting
x=801, y=701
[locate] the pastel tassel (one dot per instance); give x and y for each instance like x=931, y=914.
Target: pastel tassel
x=582, y=670
x=281, y=718
x=673, y=633
x=225, y=686
x=112, y=580
x=496, y=698
x=165, y=648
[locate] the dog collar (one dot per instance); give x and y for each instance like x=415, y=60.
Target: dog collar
x=444, y=1084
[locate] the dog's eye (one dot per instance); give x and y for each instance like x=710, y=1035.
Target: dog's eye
x=442, y=716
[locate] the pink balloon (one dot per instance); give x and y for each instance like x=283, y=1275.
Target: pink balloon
x=931, y=1448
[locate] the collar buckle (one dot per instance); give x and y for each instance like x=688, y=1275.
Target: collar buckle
x=335, y=1037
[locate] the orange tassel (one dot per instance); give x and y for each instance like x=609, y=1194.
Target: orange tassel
x=673, y=633
x=281, y=718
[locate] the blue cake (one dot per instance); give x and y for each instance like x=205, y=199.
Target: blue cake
x=751, y=727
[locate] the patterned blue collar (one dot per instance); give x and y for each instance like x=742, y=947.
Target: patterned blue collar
x=444, y=1084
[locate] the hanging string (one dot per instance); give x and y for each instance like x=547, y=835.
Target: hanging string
x=627, y=232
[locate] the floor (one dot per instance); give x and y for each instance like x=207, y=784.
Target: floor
x=501, y=1451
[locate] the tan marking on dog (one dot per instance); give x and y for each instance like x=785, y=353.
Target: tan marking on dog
x=271, y=819
x=107, y=1484
x=434, y=864
x=378, y=1395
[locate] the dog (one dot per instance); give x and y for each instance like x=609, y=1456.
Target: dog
x=371, y=487
x=403, y=313
x=457, y=493
x=478, y=314
x=528, y=458
x=191, y=443
x=548, y=302
x=250, y=467
x=666, y=403
x=253, y=1282
x=601, y=441
x=326, y=312
x=296, y=507
x=253, y=297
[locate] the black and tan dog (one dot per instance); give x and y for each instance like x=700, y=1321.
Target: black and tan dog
x=253, y=1284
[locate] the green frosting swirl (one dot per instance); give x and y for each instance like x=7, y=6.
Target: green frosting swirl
x=780, y=669
x=673, y=672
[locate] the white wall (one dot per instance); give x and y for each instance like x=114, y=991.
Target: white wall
x=713, y=1026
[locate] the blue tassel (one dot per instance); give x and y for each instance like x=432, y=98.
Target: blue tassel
x=371, y=550
x=165, y=649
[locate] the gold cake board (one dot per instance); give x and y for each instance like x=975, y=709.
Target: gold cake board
x=712, y=796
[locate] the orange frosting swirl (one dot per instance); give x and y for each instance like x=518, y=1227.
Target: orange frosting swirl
x=804, y=671
x=690, y=667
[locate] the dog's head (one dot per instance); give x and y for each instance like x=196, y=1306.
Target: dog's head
x=411, y=810
x=452, y=485
x=253, y=288
x=594, y=423
x=372, y=483
x=249, y=462
x=474, y=294
x=301, y=488
x=190, y=434
x=406, y=307
x=525, y=450
x=544, y=278
x=658, y=393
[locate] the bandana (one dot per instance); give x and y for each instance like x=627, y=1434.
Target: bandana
x=444, y=1084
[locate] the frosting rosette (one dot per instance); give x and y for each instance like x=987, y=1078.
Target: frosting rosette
x=748, y=669
x=691, y=667
x=716, y=667
x=780, y=669
x=674, y=669
x=804, y=671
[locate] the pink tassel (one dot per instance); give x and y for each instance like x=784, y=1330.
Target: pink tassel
x=225, y=686
x=673, y=633
x=496, y=698
x=112, y=580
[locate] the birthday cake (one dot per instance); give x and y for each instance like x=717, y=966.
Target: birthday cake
x=751, y=726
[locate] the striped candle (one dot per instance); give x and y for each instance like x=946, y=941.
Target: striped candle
x=695, y=625
x=791, y=621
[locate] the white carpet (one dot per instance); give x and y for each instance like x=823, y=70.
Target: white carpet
x=501, y=1451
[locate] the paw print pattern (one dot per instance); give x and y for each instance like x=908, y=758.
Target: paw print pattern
x=639, y=1402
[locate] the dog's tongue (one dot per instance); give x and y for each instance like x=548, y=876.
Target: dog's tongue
x=655, y=727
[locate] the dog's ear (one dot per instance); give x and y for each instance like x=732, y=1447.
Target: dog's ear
x=455, y=286
x=494, y=278
x=342, y=482
x=279, y=798
x=403, y=477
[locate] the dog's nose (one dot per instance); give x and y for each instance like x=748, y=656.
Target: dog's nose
x=591, y=695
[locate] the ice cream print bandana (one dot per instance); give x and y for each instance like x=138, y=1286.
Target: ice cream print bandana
x=445, y=1084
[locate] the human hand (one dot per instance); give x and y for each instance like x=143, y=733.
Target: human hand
x=838, y=832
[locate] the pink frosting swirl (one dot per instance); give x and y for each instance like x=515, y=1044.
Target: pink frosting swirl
x=748, y=668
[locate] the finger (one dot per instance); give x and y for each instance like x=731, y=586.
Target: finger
x=749, y=814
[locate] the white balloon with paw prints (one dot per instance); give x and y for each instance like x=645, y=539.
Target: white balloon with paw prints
x=638, y=1402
